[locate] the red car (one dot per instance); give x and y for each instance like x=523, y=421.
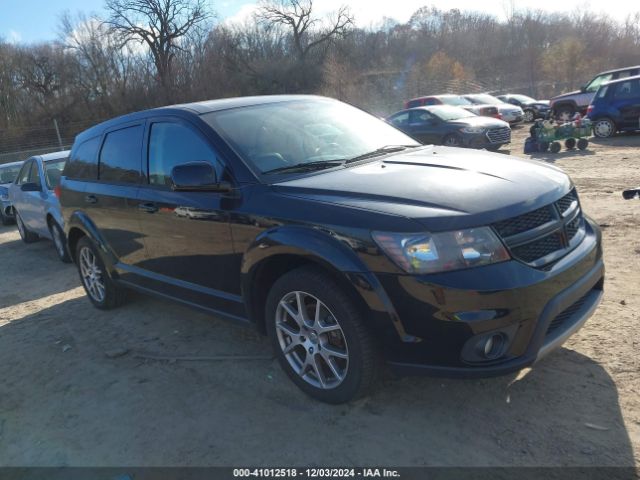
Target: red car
x=456, y=101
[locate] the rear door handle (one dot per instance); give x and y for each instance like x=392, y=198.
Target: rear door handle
x=148, y=207
x=90, y=199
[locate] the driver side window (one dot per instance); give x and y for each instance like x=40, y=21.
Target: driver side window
x=172, y=144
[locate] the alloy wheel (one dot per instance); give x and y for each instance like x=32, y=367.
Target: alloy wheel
x=91, y=275
x=312, y=340
x=528, y=116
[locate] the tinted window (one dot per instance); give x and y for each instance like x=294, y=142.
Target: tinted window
x=628, y=89
x=53, y=171
x=23, y=176
x=420, y=117
x=120, y=156
x=83, y=161
x=415, y=103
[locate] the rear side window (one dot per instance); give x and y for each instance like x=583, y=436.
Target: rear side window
x=626, y=90
x=83, y=161
x=172, y=144
x=120, y=156
x=415, y=103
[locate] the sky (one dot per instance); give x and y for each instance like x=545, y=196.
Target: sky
x=37, y=20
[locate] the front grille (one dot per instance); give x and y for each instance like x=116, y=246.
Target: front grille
x=567, y=313
x=532, y=251
x=522, y=223
x=499, y=135
x=565, y=202
x=544, y=235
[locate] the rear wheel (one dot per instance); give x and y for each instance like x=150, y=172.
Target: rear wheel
x=319, y=337
x=100, y=287
x=555, y=147
x=604, y=128
x=59, y=241
x=27, y=235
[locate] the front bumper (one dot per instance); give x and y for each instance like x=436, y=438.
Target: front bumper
x=480, y=140
x=539, y=310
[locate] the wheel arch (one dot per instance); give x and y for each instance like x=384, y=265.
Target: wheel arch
x=80, y=225
x=285, y=249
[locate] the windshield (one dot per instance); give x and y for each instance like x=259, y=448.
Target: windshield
x=456, y=101
x=446, y=112
x=486, y=99
x=596, y=82
x=9, y=174
x=274, y=136
x=53, y=171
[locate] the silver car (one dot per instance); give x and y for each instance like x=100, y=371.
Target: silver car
x=509, y=113
x=8, y=173
x=35, y=202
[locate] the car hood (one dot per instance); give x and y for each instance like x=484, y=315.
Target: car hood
x=441, y=188
x=478, y=121
x=566, y=95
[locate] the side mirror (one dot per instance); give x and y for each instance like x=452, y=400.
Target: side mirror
x=197, y=177
x=583, y=88
x=632, y=193
x=31, y=187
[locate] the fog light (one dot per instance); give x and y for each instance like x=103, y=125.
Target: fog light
x=493, y=346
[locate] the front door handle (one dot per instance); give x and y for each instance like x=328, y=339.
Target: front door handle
x=90, y=199
x=148, y=207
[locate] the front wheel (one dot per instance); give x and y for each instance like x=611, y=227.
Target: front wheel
x=319, y=337
x=452, y=140
x=604, y=128
x=99, y=286
x=59, y=241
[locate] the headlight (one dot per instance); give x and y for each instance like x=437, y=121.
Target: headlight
x=472, y=129
x=441, y=252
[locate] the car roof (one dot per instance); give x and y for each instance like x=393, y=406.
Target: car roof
x=196, y=108
x=620, y=80
x=49, y=157
x=619, y=70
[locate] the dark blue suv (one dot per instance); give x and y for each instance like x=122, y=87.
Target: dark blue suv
x=616, y=107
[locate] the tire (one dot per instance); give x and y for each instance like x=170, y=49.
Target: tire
x=59, y=241
x=529, y=116
x=543, y=147
x=27, y=235
x=604, y=128
x=555, y=147
x=565, y=113
x=570, y=143
x=451, y=140
x=348, y=375
x=104, y=294
x=4, y=219
x=583, y=143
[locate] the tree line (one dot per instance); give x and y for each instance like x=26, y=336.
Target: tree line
x=146, y=53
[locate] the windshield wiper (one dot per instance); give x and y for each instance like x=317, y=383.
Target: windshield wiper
x=306, y=166
x=381, y=151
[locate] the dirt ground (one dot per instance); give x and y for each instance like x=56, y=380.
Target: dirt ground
x=69, y=396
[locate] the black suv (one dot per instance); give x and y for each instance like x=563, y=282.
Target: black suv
x=337, y=235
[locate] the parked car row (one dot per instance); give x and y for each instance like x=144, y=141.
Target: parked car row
x=340, y=237
x=30, y=198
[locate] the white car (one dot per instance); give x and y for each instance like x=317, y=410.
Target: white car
x=508, y=112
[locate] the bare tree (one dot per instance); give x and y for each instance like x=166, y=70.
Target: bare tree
x=307, y=31
x=159, y=25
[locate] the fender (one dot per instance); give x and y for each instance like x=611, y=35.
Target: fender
x=79, y=220
x=323, y=248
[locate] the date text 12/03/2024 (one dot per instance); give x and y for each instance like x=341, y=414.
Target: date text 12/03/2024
x=315, y=473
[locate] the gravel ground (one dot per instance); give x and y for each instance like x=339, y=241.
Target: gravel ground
x=84, y=387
